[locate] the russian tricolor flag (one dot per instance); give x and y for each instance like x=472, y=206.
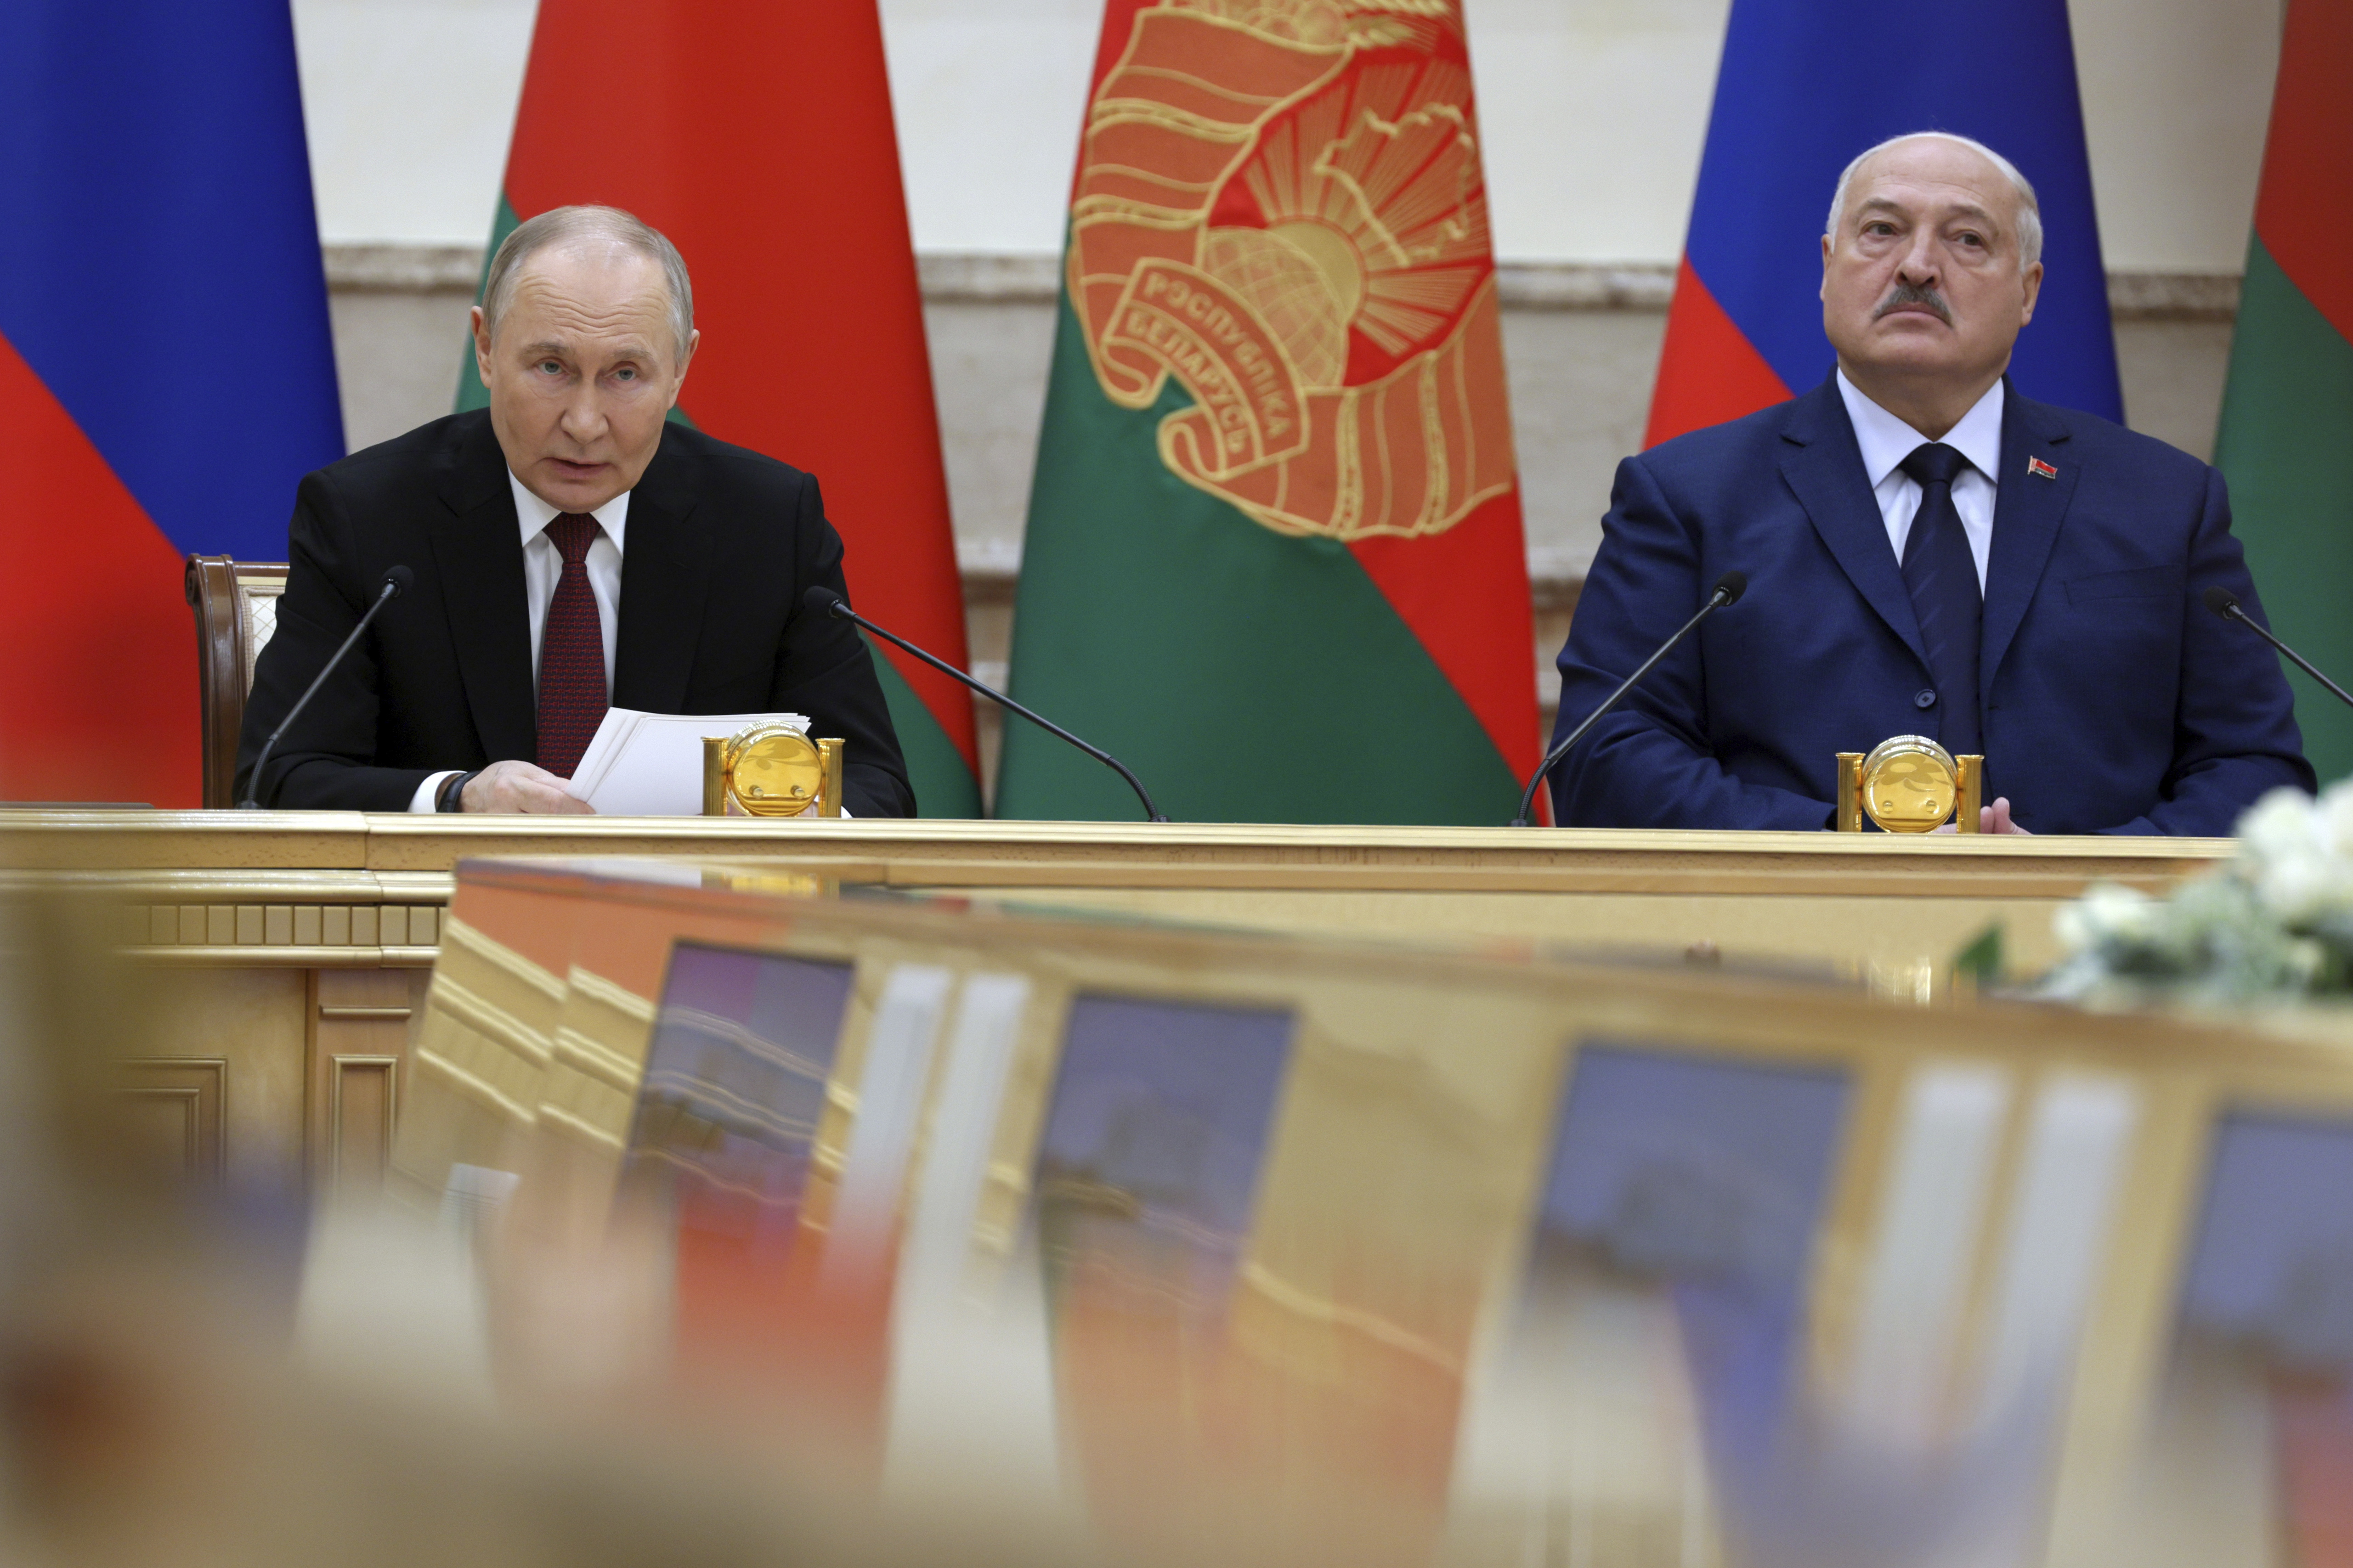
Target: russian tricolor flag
x=165, y=370
x=1805, y=86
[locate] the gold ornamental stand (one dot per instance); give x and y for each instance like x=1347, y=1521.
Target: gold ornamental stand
x=768, y=769
x=1908, y=783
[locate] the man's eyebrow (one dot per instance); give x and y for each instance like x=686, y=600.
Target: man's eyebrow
x=627, y=353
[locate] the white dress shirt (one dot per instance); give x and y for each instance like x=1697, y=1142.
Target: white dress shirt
x=1887, y=441
x=542, y=566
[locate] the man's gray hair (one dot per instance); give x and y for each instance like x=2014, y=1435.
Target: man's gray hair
x=2029, y=210
x=579, y=224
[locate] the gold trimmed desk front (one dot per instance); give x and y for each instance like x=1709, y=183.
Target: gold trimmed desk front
x=299, y=944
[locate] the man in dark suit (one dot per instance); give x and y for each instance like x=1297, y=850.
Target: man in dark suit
x=1927, y=552
x=572, y=548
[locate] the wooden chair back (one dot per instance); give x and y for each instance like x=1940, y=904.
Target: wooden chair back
x=236, y=605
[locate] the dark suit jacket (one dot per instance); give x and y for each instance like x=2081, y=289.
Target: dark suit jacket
x=722, y=543
x=2112, y=699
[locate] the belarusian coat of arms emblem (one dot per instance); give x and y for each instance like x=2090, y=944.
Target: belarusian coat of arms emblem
x=1279, y=202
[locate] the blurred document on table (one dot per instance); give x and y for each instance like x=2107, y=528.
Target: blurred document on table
x=650, y=764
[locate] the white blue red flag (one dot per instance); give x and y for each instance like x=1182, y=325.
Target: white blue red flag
x=165, y=370
x=1806, y=85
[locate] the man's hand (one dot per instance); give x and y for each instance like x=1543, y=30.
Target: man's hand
x=515, y=785
x=1995, y=818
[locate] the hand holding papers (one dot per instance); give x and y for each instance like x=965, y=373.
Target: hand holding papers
x=650, y=764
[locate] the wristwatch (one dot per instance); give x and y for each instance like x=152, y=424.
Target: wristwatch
x=452, y=793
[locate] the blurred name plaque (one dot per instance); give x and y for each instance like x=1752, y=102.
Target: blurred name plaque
x=1212, y=1245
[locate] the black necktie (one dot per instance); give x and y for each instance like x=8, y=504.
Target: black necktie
x=1943, y=577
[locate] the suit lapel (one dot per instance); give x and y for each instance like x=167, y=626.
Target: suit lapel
x=1824, y=466
x=665, y=582
x=2027, y=509
x=477, y=552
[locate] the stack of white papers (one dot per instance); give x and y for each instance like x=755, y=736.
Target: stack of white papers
x=650, y=764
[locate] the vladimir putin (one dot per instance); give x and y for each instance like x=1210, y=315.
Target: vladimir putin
x=1928, y=551
x=573, y=548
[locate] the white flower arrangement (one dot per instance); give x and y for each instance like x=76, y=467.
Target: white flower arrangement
x=2276, y=922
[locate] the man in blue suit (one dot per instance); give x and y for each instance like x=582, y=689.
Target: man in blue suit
x=1927, y=552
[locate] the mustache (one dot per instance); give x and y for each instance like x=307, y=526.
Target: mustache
x=1904, y=294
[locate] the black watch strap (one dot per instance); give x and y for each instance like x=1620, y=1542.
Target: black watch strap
x=453, y=791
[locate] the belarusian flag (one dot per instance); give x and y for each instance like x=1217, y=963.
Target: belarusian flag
x=1274, y=559
x=758, y=137
x=2288, y=409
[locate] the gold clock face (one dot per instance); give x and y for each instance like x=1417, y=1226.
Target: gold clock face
x=1910, y=785
x=774, y=771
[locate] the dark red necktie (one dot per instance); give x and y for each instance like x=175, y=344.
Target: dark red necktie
x=571, y=653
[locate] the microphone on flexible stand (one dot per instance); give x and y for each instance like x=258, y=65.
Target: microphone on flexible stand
x=824, y=601
x=1727, y=591
x=398, y=580
x=2225, y=604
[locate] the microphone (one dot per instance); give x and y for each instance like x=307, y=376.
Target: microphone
x=823, y=601
x=1727, y=591
x=2225, y=604
x=398, y=580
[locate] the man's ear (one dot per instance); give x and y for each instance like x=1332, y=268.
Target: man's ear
x=1823, y=293
x=694, y=342
x=2032, y=279
x=481, y=327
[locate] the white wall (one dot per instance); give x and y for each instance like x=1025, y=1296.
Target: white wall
x=409, y=104
x=988, y=94
x=1593, y=114
x=2177, y=96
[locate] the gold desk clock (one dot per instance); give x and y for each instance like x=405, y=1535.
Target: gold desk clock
x=768, y=769
x=1909, y=784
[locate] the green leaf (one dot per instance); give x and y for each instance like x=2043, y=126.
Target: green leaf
x=1981, y=959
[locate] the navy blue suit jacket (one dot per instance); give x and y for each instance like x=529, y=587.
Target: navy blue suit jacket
x=2112, y=699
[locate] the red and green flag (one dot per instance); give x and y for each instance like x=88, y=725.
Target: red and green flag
x=2288, y=410
x=1275, y=557
x=758, y=137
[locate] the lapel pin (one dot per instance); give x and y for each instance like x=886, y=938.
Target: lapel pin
x=2040, y=469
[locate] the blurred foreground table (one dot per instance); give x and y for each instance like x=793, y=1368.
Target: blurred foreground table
x=1239, y=1247
x=298, y=945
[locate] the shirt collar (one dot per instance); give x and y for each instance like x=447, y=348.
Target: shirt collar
x=1886, y=440
x=535, y=514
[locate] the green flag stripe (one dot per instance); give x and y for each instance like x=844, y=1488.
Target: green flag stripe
x=2283, y=447
x=1245, y=674
x=944, y=785
x=471, y=393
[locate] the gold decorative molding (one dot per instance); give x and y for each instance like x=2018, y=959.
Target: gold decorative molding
x=479, y=1035
x=197, y=1088
x=309, y=935
x=600, y=1054
x=358, y=1039
x=387, y=911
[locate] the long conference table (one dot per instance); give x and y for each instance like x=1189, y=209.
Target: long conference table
x=289, y=953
